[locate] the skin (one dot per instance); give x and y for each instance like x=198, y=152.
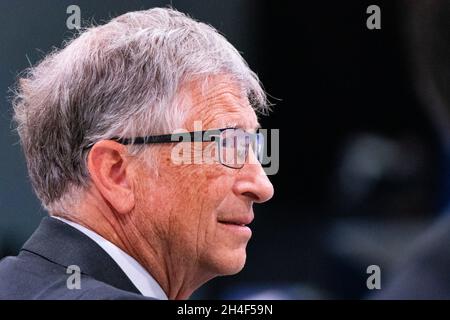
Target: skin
x=176, y=221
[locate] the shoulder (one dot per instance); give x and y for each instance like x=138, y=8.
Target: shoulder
x=30, y=276
x=102, y=291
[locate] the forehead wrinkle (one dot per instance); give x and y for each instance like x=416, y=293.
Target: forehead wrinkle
x=226, y=95
x=227, y=105
x=218, y=86
x=229, y=114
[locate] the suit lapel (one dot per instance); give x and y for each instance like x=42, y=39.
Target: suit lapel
x=65, y=245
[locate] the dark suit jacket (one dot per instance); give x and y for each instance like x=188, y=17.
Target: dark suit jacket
x=40, y=269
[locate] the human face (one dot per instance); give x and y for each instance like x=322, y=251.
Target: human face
x=203, y=209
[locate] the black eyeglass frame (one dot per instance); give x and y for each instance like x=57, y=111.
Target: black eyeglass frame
x=193, y=136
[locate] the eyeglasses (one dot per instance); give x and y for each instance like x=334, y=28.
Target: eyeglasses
x=233, y=143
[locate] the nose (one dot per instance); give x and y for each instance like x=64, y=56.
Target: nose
x=253, y=183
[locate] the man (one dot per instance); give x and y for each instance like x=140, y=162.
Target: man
x=127, y=216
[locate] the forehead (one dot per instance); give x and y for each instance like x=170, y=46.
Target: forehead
x=219, y=102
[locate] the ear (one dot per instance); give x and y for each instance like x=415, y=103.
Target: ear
x=111, y=173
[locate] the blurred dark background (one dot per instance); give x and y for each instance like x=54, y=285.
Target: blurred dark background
x=363, y=168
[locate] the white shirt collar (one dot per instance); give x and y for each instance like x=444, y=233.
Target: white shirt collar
x=141, y=279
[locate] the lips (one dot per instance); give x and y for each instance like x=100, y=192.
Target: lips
x=239, y=221
x=237, y=226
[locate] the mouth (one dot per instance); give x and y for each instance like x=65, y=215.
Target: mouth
x=238, y=225
x=233, y=223
x=237, y=221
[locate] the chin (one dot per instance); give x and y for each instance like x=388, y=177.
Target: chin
x=236, y=269
x=230, y=263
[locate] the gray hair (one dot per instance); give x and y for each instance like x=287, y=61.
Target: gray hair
x=120, y=79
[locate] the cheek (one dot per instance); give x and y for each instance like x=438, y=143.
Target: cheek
x=187, y=199
x=151, y=211
x=200, y=191
x=216, y=246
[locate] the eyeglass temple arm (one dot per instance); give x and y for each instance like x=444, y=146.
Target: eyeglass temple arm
x=199, y=136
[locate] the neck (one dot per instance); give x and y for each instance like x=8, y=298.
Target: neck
x=177, y=276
